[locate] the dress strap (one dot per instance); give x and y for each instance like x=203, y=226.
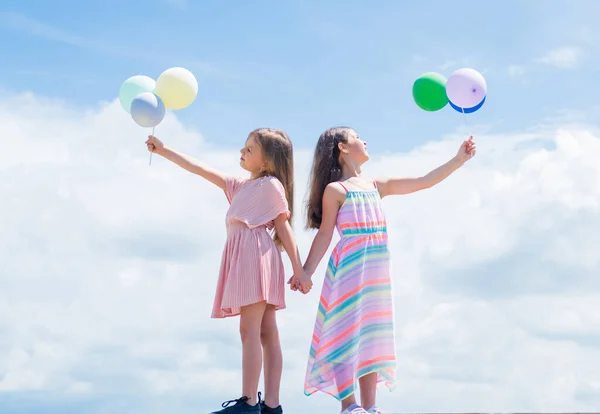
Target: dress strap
x=343, y=186
x=375, y=184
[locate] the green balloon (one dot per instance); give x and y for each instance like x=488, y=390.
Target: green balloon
x=429, y=91
x=134, y=86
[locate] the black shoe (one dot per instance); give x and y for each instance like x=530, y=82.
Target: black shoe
x=241, y=406
x=265, y=409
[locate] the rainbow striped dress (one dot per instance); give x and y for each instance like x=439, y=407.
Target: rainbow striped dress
x=354, y=332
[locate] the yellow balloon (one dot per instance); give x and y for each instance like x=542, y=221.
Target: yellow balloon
x=177, y=87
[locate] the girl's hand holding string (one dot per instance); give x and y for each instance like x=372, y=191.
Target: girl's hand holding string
x=466, y=151
x=154, y=144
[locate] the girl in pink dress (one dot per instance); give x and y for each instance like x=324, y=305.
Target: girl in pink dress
x=251, y=279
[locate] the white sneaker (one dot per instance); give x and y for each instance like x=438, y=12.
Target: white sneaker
x=354, y=409
x=375, y=410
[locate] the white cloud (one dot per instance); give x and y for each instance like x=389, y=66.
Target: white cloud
x=451, y=65
x=447, y=65
x=109, y=268
x=568, y=57
x=516, y=70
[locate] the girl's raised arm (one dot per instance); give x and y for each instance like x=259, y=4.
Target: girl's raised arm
x=394, y=186
x=186, y=162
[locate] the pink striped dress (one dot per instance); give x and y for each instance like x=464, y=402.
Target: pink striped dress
x=354, y=329
x=251, y=265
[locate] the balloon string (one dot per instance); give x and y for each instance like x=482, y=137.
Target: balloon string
x=466, y=123
x=150, y=163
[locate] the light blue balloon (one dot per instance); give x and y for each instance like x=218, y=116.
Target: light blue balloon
x=147, y=110
x=134, y=86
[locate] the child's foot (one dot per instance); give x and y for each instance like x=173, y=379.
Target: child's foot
x=265, y=409
x=375, y=410
x=241, y=406
x=354, y=409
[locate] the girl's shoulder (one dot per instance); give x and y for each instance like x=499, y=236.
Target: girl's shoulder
x=235, y=180
x=335, y=191
x=263, y=188
x=270, y=182
x=268, y=193
x=233, y=185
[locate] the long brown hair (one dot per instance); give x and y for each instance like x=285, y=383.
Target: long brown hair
x=278, y=152
x=326, y=169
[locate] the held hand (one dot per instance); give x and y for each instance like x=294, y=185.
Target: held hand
x=154, y=144
x=293, y=282
x=466, y=151
x=302, y=282
x=305, y=282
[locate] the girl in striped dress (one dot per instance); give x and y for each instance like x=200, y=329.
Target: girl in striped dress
x=353, y=339
x=251, y=280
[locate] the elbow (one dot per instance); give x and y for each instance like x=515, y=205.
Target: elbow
x=283, y=234
x=281, y=223
x=425, y=183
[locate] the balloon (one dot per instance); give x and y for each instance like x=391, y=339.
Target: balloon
x=429, y=91
x=468, y=110
x=466, y=88
x=132, y=87
x=147, y=110
x=177, y=87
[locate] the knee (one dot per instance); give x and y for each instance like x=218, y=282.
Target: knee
x=249, y=333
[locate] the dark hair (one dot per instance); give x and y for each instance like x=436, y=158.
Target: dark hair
x=326, y=169
x=278, y=152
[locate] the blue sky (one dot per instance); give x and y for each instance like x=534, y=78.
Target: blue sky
x=304, y=66
x=109, y=266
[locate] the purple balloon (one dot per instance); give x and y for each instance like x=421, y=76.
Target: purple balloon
x=466, y=88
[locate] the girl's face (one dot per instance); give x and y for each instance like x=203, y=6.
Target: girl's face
x=355, y=149
x=252, y=158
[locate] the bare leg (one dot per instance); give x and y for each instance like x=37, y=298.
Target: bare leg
x=273, y=358
x=368, y=390
x=347, y=402
x=250, y=322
